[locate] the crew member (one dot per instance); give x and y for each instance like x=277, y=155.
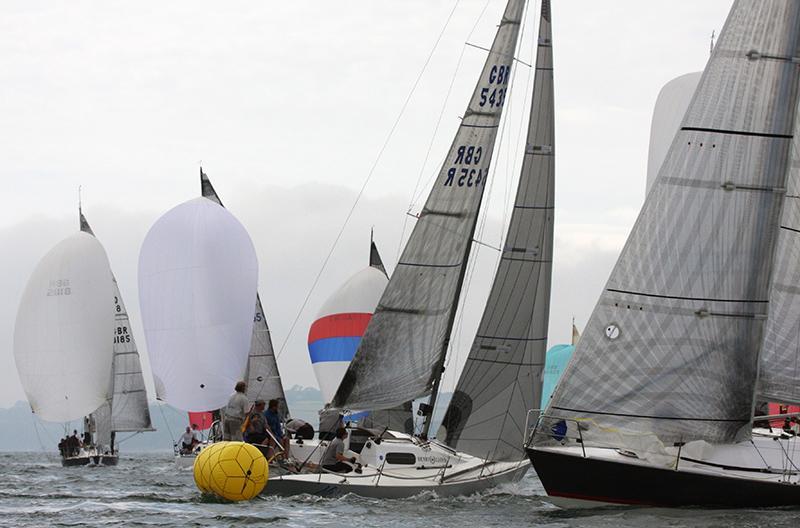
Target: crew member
x=334, y=459
x=187, y=441
x=256, y=431
x=274, y=423
x=234, y=413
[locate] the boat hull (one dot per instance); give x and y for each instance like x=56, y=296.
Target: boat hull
x=332, y=485
x=93, y=460
x=572, y=477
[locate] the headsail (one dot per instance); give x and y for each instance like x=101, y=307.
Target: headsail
x=263, y=378
x=61, y=344
x=779, y=368
x=411, y=326
x=129, y=409
x=672, y=345
x=501, y=379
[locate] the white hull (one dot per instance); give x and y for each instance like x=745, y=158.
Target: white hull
x=396, y=467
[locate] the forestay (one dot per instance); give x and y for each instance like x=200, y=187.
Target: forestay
x=670, y=351
x=262, y=375
x=198, y=274
x=61, y=338
x=400, y=355
x=779, y=369
x=129, y=408
x=501, y=379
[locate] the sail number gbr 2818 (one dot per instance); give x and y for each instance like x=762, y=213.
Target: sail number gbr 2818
x=468, y=175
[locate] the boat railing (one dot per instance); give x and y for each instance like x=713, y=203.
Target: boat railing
x=551, y=429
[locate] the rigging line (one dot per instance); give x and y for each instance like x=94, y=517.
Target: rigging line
x=435, y=132
x=366, y=181
x=471, y=45
x=415, y=197
x=166, y=422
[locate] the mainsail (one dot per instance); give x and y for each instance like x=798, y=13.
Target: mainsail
x=502, y=376
x=263, y=378
x=671, y=349
x=61, y=343
x=129, y=409
x=198, y=274
x=779, y=368
x=411, y=327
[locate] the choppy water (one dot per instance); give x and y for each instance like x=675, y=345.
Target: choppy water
x=147, y=490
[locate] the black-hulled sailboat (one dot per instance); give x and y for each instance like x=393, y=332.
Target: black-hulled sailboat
x=699, y=319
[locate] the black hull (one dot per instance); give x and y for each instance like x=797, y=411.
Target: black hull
x=575, y=477
x=97, y=460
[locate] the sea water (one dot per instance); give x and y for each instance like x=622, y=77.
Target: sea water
x=148, y=490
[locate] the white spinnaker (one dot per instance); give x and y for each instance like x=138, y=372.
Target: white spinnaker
x=61, y=339
x=198, y=274
x=671, y=105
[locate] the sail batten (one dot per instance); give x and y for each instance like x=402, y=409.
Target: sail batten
x=670, y=351
x=404, y=331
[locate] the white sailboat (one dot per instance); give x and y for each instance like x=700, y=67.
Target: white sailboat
x=78, y=370
x=410, y=330
x=698, y=320
x=127, y=410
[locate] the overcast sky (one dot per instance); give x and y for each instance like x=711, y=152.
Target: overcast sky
x=287, y=105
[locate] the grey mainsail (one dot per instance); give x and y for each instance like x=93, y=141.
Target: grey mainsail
x=262, y=375
x=128, y=408
x=501, y=379
x=671, y=349
x=401, y=354
x=779, y=366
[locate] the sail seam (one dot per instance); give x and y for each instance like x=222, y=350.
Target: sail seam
x=677, y=297
x=515, y=363
x=428, y=265
x=790, y=229
x=651, y=417
x=512, y=338
x=738, y=132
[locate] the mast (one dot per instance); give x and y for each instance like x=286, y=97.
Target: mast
x=502, y=377
x=411, y=325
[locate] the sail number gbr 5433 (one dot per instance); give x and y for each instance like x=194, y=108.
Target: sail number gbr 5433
x=494, y=95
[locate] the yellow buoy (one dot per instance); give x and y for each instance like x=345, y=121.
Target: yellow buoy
x=201, y=468
x=235, y=471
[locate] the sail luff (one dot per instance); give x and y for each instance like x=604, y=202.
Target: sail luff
x=410, y=326
x=670, y=351
x=501, y=379
x=261, y=374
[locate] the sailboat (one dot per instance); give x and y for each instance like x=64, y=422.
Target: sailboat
x=84, y=372
x=402, y=353
x=698, y=320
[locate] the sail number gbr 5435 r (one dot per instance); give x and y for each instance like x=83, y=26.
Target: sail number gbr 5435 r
x=466, y=175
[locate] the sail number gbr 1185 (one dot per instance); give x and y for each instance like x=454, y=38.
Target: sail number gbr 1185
x=468, y=174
